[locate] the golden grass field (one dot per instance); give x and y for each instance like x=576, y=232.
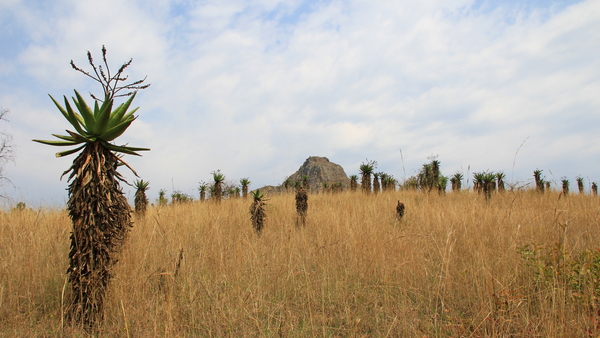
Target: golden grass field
x=453, y=267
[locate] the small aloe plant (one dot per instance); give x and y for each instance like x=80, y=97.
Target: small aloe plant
x=245, y=182
x=202, y=187
x=258, y=214
x=301, y=207
x=565, y=186
x=580, y=184
x=219, y=178
x=141, y=201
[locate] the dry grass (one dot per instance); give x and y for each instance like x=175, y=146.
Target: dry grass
x=451, y=267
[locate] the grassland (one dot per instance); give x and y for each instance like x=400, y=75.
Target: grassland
x=454, y=266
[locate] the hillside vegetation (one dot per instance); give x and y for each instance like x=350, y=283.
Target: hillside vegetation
x=522, y=264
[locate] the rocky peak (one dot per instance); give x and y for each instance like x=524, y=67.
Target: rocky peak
x=319, y=170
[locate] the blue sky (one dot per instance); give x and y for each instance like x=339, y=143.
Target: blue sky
x=253, y=88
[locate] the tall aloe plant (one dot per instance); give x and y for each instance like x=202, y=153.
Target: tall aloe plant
x=366, y=169
x=97, y=207
x=245, y=182
x=217, y=193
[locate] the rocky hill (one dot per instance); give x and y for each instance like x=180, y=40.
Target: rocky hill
x=319, y=170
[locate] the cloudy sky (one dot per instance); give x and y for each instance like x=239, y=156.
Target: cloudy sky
x=253, y=88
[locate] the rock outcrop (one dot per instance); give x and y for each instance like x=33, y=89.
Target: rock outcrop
x=320, y=170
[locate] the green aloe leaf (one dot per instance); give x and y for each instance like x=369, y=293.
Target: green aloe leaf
x=115, y=131
x=81, y=138
x=130, y=114
x=66, y=138
x=103, y=117
x=80, y=125
x=72, y=120
x=86, y=113
x=57, y=143
x=137, y=149
x=96, y=110
x=119, y=112
x=69, y=152
x=121, y=149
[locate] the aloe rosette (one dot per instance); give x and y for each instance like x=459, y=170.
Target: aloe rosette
x=103, y=124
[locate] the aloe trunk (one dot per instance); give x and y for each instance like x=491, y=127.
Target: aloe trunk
x=101, y=219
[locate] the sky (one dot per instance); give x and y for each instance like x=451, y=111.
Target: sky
x=253, y=88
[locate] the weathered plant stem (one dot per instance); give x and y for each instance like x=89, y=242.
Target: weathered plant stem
x=101, y=219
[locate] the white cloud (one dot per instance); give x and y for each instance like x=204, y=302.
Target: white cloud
x=253, y=88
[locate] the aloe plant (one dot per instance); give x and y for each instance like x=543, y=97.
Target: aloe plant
x=424, y=178
x=580, y=184
x=202, y=187
x=390, y=183
x=383, y=179
x=353, y=182
x=301, y=207
x=478, y=182
x=218, y=178
x=162, y=200
x=539, y=181
x=245, y=182
x=500, y=176
x=376, y=184
x=400, y=208
x=258, y=214
x=456, y=181
x=141, y=201
x=489, y=184
x=565, y=186
x=366, y=170
x=442, y=183
x=97, y=207
x=435, y=173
